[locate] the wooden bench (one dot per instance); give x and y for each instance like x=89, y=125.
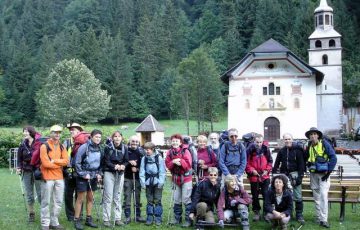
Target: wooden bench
x=341, y=191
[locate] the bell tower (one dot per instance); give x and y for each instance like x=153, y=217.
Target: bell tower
x=325, y=55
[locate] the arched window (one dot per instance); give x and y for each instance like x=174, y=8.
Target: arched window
x=296, y=103
x=271, y=89
x=318, y=44
x=332, y=43
x=325, y=59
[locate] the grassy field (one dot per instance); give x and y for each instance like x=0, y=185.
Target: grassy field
x=171, y=127
x=13, y=216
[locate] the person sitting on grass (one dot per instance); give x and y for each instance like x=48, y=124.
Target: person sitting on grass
x=205, y=197
x=279, y=202
x=152, y=178
x=232, y=204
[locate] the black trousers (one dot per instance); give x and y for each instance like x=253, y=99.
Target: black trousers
x=256, y=189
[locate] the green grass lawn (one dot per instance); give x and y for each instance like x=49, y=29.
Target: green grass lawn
x=13, y=216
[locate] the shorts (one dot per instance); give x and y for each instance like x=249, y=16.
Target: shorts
x=82, y=185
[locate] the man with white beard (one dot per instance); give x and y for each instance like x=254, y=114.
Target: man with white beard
x=213, y=142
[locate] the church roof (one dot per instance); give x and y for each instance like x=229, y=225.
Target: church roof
x=269, y=47
x=323, y=7
x=321, y=33
x=149, y=124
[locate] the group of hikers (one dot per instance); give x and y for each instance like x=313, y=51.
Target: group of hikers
x=74, y=170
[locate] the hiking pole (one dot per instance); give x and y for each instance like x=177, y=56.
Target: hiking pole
x=172, y=200
x=94, y=203
x=134, y=195
x=22, y=190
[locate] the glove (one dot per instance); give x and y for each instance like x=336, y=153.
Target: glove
x=221, y=223
x=233, y=203
x=325, y=178
x=298, y=181
x=160, y=185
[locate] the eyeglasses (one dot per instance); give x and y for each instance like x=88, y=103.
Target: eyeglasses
x=233, y=136
x=212, y=174
x=134, y=142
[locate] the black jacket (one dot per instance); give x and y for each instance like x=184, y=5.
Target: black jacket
x=285, y=205
x=291, y=159
x=113, y=156
x=205, y=192
x=24, y=155
x=134, y=154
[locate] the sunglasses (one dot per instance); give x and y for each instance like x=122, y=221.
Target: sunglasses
x=233, y=136
x=212, y=174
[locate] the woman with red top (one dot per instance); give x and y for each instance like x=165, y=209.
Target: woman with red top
x=178, y=161
x=258, y=168
x=206, y=157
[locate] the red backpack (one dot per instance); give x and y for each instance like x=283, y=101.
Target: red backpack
x=35, y=157
x=79, y=139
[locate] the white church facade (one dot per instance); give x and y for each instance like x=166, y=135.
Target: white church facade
x=272, y=91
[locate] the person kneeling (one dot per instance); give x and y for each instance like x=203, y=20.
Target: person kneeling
x=232, y=204
x=205, y=197
x=278, y=202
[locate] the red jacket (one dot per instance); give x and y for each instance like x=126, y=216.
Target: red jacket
x=260, y=161
x=180, y=174
x=203, y=154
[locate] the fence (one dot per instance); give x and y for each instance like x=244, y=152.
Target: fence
x=13, y=159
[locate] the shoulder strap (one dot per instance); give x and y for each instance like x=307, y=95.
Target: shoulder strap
x=209, y=151
x=157, y=161
x=47, y=149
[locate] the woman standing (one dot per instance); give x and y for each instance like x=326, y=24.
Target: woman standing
x=278, y=202
x=25, y=169
x=115, y=160
x=88, y=170
x=206, y=157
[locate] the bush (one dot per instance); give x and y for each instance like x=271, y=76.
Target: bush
x=8, y=140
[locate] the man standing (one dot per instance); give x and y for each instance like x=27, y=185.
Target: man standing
x=213, y=142
x=53, y=158
x=321, y=161
x=290, y=159
x=233, y=157
x=70, y=180
x=132, y=180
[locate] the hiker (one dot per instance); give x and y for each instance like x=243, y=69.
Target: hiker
x=233, y=157
x=116, y=158
x=53, y=157
x=70, y=180
x=213, y=142
x=321, y=162
x=152, y=178
x=233, y=203
x=88, y=169
x=278, y=202
x=132, y=186
x=258, y=168
x=25, y=169
x=179, y=163
x=290, y=161
x=206, y=157
x=205, y=197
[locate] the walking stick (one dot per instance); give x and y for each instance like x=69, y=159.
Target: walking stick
x=22, y=191
x=94, y=203
x=134, y=195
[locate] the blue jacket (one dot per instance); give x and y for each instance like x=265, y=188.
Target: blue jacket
x=151, y=168
x=232, y=158
x=88, y=160
x=330, y=152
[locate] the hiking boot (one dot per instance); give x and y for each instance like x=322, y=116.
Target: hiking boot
x=149, y=220
x=44, y=227
x=58, y=227
x=89, y=222
x=77, y=224
x=324, y=224
x=157, y=222
x=300, y=219
x=187, y=224
x=256, y=216
x=175, y=221
x=127, y=220
x=140, y=219
x=119, y=223
x=31, y=217
x=107, y=224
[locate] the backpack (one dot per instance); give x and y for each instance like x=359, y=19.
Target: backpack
x=79, y=139
x=193, y=158
x=35, y=158
x=238, y=144
x=146, y=161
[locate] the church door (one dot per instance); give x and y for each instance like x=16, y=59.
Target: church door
x=271, y=129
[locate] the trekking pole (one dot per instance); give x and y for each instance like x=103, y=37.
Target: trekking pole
x=172, y=200
x=134, y=195
x=22, y=190
x=94, y=203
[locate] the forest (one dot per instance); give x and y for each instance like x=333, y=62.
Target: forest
x=163, y=57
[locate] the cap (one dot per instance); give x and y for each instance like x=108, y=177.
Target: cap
x=56, y=128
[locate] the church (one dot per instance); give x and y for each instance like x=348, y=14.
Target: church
x=272, y=91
